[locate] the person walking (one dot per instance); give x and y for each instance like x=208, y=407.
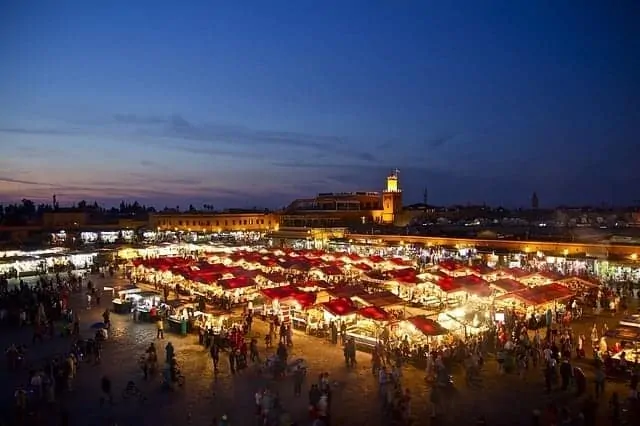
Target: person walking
x=160, y=328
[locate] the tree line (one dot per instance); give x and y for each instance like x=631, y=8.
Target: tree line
x=28, y=211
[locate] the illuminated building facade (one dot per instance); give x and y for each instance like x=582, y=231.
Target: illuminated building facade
x=250, y=221
x=391, y=198
x=336, y=209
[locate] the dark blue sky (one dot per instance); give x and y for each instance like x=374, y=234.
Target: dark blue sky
x=213, y=102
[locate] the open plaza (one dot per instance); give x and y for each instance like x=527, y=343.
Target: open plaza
x=394, y=335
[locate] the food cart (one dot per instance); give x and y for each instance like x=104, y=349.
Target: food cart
x=123, y=303
x=145, y=303
x=180, y=316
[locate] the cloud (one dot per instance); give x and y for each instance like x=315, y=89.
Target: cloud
x=26, y=131
x=138, y=119
x=5, y=179
x=144, y=177
x=176, y=126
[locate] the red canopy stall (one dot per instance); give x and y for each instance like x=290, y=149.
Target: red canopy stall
x=371, y=321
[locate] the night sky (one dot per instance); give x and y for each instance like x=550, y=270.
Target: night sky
x=210, y=102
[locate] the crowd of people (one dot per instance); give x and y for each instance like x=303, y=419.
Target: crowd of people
x=44, y=308
x=548, y=345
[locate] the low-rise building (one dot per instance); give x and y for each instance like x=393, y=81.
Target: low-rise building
x=226, y=221
x=65, y=218
x=332, y=209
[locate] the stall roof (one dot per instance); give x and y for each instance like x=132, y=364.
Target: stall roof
x=401, y=273
x=298, y=265
x=340, y=307
x=236, y=283
x=312, y=284
x=398, y=261
x=516, y=272
x=435, y=273
x=428, y=326
x=374, y=313
x=448, y=285
x=381, y=299
x=541, y=294
x=345, y=291
x=581, y=280
x=278, y=293
x=482, y=269
x=331, y=270
x=450, y=265
x=474, y=285
x=305, y=299
x=354, y=257
x=274, y=277
x=362, y=266
x=508, y=285
x=375, y=275
x=544, y=274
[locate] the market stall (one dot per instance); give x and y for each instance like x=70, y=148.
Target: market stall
x=145, y=305
x=485, y=272
x=580, y=283
x=402, y=282
x=415, y=333
x=507, y=285
x=473, y=286
x=340, y=311
x=209, y=322
x=467, y=320
x=369, y=326
x=536, y=300
x=179, y=316
x=392, y=304
x=539, y=278
x=340, y=292
x=453, y=268
x=123, y=302
x=240, y=289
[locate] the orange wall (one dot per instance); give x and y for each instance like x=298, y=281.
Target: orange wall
x=532, y=246
x=215, y=221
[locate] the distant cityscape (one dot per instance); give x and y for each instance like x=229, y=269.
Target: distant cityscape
x=370, y=212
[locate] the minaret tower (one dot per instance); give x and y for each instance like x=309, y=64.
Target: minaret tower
x=392, y=198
